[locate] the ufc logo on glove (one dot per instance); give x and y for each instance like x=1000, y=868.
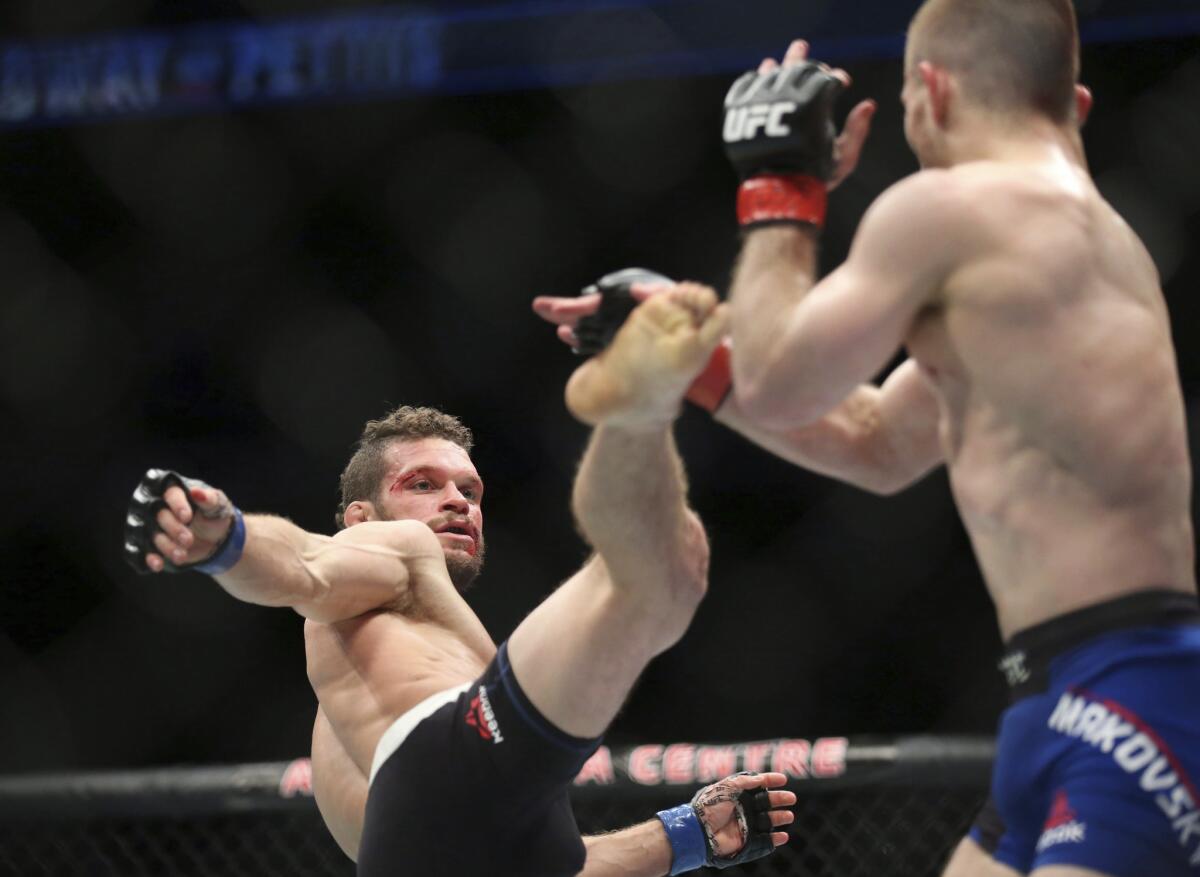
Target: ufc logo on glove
x=743, y=123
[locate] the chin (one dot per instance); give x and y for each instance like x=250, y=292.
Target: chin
x=464, y=568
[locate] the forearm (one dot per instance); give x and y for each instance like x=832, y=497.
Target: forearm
x=844, y=444
x=640, y=851
x=776, y=269
x=880, y=439
x=274, y=569
x=630, y=504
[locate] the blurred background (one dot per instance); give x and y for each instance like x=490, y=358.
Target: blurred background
x=232, y=231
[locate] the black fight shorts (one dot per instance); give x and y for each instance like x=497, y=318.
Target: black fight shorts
x=473, y=781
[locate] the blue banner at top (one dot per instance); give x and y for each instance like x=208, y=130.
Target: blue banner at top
x=398, y=51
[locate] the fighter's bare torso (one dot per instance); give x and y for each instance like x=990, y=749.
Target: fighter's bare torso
x=1062, y=419
x=371, y=668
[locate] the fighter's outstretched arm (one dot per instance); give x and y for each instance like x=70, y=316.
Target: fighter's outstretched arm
x=880, y=439
x=268, y=560
x=802, y=347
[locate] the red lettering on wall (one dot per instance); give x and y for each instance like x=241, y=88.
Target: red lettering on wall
x=598, y=769
x=791, y=757
x=679, y=764
x=754, y=756
x=644, y=765
x=829, y=757
x=715, y=762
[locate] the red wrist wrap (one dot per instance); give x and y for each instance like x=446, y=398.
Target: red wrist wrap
x=782, y=198
x=712, y=387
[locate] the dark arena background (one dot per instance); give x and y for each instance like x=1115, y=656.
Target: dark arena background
x=232, y=231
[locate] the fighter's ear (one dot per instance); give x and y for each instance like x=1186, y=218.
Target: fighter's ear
x=940, y=86
x=357, y=512
x=1083, y=103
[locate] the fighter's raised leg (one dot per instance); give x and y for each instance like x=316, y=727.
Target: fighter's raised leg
x=578, y=654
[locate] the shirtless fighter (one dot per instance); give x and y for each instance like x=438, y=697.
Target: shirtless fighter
x=434, y=752
x=1041, y=372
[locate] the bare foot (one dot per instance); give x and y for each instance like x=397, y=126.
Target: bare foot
x=641, y=378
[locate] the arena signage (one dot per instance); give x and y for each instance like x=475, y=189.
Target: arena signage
x=217, y=66
x=656, y=764
x=396, y=51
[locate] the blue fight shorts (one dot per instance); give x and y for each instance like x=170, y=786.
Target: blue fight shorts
x=473, y=781
x=1099, y=754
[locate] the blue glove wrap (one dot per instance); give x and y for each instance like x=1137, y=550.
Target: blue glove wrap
x=689, y=846
x=229, y=551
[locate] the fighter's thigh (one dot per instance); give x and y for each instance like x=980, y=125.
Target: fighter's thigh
x=971, y=860
x=1065, y=871
x=578, y=654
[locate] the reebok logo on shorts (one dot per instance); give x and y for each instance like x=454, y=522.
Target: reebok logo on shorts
x=482, y=719
x=1137, y=750
x=1062, y=826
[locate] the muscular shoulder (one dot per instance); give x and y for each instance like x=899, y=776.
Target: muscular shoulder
x=931, y=202
x=1004, y=195
x=923, y=226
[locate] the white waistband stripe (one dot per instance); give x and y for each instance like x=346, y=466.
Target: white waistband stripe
x=403, y=726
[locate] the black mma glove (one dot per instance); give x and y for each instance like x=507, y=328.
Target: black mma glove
x=141, y=525
x=779, y=135
x=688, y=832
x=595, y=332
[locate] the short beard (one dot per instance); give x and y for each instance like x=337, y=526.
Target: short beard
x=465, y=568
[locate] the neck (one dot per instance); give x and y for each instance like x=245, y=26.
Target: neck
x=1033, y=140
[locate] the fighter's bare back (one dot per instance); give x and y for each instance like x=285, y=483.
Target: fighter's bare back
x=1062, y=419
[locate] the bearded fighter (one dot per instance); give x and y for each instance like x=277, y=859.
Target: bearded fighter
x=434, y=752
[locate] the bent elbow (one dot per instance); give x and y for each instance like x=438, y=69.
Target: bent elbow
x=883, y=485
x=889, y=481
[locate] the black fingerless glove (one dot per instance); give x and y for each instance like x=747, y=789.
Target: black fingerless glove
x=753, y=807
x=595, y=331
x=691, y=846
x=141, y=525
x=779, y=135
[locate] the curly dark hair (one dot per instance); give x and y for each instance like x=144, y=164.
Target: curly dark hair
x=360, y=479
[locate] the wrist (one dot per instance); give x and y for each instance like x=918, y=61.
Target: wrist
x=797, y=199
x=229, y=552
x=689, y=844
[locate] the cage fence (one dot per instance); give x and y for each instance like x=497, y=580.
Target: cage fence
x=866, y=807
